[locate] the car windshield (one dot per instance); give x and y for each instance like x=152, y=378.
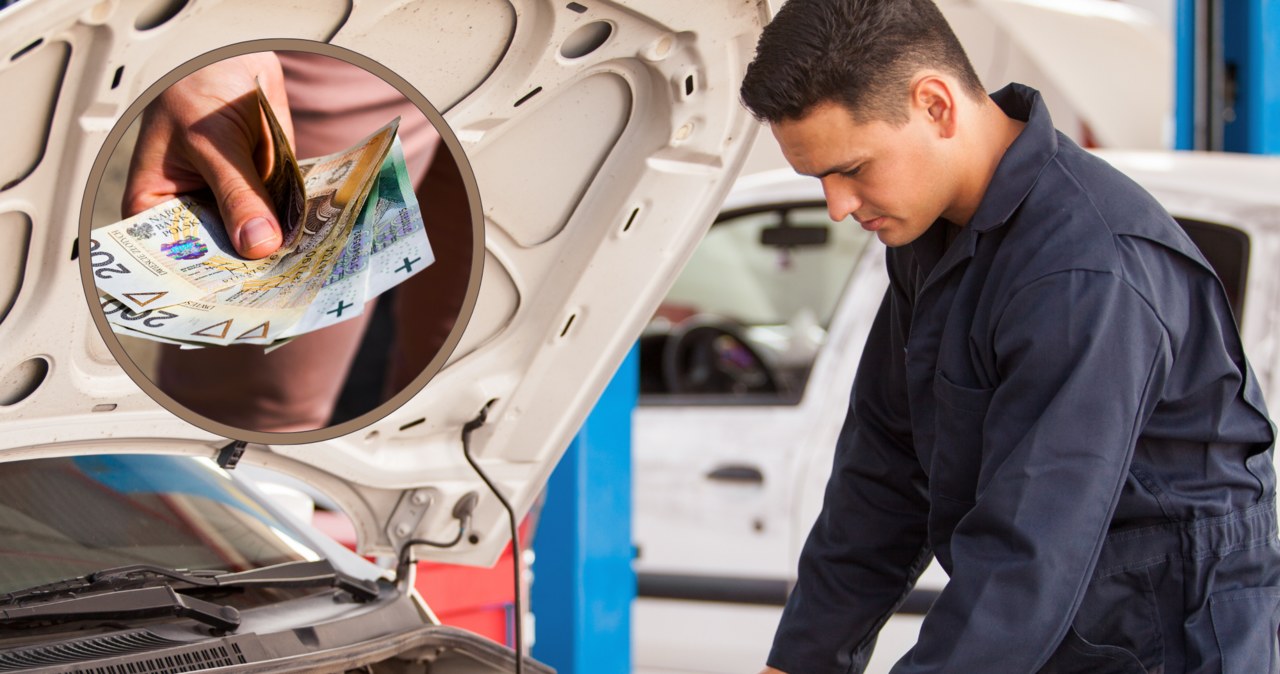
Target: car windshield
x=736, y=272
x=70, y=516
x=745, y=321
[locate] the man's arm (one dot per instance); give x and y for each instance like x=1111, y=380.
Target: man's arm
x=867, y=546
x=1080, y=358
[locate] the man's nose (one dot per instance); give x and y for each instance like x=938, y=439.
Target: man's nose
x=842, y=200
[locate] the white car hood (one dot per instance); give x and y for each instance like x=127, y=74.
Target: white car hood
x=594, y=192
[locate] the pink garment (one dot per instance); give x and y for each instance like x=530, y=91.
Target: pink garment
x=334, y=104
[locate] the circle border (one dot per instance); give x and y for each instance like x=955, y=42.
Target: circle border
x=447, y=138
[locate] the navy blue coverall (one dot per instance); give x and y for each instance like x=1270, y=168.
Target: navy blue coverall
x=1057, y=406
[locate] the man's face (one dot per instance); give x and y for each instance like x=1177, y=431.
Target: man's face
x=891, y=179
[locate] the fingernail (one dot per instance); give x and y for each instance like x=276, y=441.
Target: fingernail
x=256, y=232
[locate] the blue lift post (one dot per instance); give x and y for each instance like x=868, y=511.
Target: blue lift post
x=1185, y=76
x=1228, y=75
x=1251, y=52
x=583, y=583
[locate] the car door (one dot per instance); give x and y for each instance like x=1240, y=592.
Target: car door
x=745, y=374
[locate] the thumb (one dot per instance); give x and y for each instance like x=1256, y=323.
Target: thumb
x=247, y=214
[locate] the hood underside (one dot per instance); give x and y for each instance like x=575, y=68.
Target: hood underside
x=598, y=173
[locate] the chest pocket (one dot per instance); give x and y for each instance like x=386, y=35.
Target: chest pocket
x=959, y=417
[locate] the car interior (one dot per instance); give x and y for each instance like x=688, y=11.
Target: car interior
x=745, y=319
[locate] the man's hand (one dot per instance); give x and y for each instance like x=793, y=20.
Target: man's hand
x=207, y=131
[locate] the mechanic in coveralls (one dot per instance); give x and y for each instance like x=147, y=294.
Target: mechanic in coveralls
x=1053, y=400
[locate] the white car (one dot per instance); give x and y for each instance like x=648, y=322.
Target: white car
x=746, y=372
x=603, y=137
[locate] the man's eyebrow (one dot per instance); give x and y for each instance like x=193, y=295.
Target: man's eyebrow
x=841, y=168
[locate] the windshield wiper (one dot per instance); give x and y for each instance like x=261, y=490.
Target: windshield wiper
x=300, y=574
x=290, y=574
x=147, y=602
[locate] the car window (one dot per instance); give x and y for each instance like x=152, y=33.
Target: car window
x=747, y=316
x=1227, y=250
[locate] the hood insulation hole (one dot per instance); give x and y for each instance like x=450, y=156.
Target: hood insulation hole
x=26, y=50
x=158, y=13
x=586, y=39
x=527, y=96
x=19, y=383
x=575, y=7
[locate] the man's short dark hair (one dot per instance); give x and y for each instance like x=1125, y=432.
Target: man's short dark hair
x=859, y=53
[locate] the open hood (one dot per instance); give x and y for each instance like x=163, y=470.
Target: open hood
x=595, y=191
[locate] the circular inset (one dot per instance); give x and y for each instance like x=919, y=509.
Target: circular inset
x=586, y=39
x=20, y=382
x=361, y=303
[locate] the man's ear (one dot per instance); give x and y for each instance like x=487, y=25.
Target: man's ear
x=933, y=97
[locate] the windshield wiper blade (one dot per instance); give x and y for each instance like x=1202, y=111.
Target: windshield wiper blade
x=290, y=574
x=144, y=602
x=115, y=578
x=299, y=574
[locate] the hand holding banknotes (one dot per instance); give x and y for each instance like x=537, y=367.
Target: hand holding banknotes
x=345, y=227
x=207, y=131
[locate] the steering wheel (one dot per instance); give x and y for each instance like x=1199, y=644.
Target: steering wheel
x=704, y=355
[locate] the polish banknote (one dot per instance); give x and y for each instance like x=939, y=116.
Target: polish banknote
x=352, y=229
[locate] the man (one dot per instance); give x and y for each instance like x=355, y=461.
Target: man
x=1053, y=400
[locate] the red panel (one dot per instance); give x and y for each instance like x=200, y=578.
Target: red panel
x=449, y=588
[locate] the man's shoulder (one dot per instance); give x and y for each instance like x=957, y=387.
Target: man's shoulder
x=1084, y=214
x=1087, y=218
x=1082, y=192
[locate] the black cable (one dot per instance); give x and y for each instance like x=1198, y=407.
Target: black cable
x=462, y=510
x=467, y=429
x=404, y=559
x=437, y=544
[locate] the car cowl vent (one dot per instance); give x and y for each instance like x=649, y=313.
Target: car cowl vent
x=114, y=646
x=80, y=650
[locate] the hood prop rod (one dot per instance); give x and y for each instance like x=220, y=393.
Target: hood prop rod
x=462, y=512
x=467, y=429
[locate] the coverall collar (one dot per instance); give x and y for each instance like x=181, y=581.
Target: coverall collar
x=1015, y=175
x=1020, y=167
